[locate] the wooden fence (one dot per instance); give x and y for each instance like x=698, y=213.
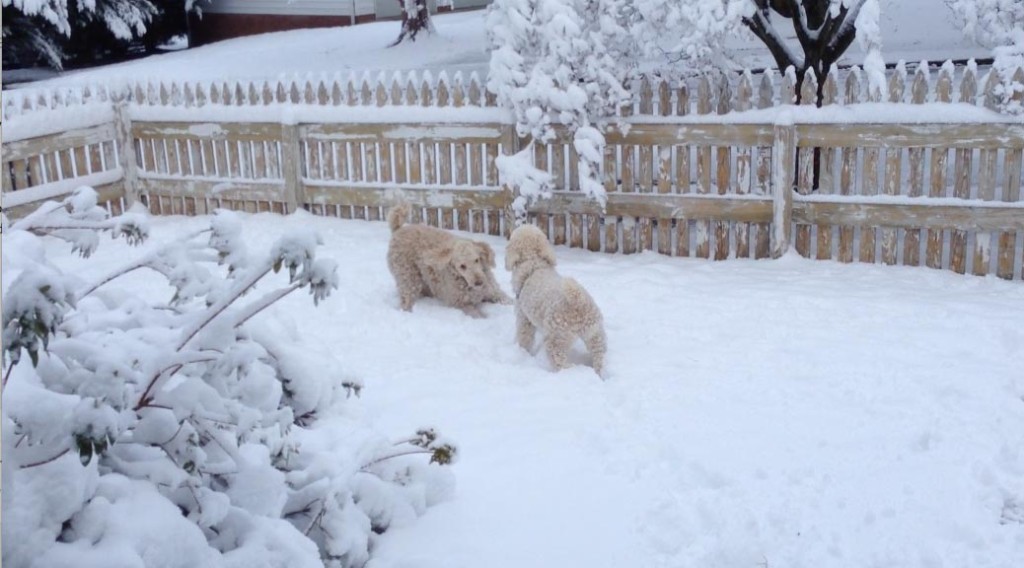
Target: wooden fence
x=706, y=169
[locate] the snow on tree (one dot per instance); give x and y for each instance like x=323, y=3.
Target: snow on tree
x=698, y=30
x=557, y=59
x=37, y=29
x=182, y=431
x=998, y=25
x=415, y=19
x=566, y=61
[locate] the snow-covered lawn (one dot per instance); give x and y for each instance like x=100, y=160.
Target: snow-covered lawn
x=784, y=413
x=911, y=30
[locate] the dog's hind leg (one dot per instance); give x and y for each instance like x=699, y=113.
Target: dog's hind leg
x=597, y=345
x=557, y=344
x=411, y=287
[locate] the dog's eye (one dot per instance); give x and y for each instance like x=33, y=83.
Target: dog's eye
x=462, y=266
x=477, y=261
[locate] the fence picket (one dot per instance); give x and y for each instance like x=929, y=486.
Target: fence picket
x=893, y=167
x=744, y=160
x=962, y=178
x=987, y=168
x=703, y=226
x=827, y=176
x=805, y=167
x=912, y=237
x=762, y=231
x=474, y=93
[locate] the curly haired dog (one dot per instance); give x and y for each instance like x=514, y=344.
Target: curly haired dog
x=427, y=261
x=558, y=306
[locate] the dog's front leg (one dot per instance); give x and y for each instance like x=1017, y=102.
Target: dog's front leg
x=526, y=332
x=498, y=296
x=472, y=311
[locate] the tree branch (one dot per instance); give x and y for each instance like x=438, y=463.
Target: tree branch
x=783, y=56
x=46, y=461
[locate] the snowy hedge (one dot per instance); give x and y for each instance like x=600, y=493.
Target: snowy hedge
x=180, y=432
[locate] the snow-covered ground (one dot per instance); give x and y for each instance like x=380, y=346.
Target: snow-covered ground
x=912, y=30
x=786, y=413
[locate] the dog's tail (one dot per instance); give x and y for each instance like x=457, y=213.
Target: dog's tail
x=398, y=215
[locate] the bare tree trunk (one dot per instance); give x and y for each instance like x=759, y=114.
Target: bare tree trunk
x=823, y=38
x=415, y=18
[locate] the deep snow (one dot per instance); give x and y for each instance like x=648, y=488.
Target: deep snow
x=757, y=413
x=912, y=30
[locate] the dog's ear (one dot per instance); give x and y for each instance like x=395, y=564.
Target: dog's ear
x=438, y=257
x=511, y=256
x=543, y=249
x=486, y=253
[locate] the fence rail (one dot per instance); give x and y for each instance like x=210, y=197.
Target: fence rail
x=714, y=167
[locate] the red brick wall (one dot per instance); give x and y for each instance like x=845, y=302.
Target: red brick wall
x=215, y=27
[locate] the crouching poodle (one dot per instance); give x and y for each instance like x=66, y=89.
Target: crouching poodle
x=431, y=262
x=560, y=307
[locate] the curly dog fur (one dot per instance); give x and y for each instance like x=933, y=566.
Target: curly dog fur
x=427, y=261
x=545, y=300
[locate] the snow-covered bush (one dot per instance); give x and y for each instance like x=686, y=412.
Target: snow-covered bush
x=180, y=432
x=998, y=25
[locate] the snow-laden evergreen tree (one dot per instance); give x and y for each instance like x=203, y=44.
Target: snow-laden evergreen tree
x=998, y=25
x=558, y=60
x=180, y=431
x=39, y=29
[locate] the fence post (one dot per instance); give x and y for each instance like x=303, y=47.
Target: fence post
x=783, y=166
x=509, y=147
x=291, y=166
x=126, y=149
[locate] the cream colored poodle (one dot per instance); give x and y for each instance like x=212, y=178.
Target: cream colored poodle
x=427, y=261
x=558, y=306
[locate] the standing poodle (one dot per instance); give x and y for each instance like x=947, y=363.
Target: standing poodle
x=559, y=306
x=427, y=261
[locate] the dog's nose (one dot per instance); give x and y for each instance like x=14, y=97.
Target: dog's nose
x=479, y=282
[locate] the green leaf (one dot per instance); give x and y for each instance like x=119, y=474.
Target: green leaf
x=277, y=265
x=442, y=455
x=34, y=355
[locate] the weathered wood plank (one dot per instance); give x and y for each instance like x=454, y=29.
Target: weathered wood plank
x=682, y=227
x=467, y=133
x=432, y=199
x=1011, y=193
x=655, y=206
x=959, y=217
x=208, y=130
x=611, y=234
x=962, y=189
x=593, y=232
x=202, y=188
x=575, y=227
x=558, y=227
x=783, y=164
x=887, y=135
x=986, y=192
x=22, y=149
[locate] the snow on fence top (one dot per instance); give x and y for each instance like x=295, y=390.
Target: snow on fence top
x=653, y=96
